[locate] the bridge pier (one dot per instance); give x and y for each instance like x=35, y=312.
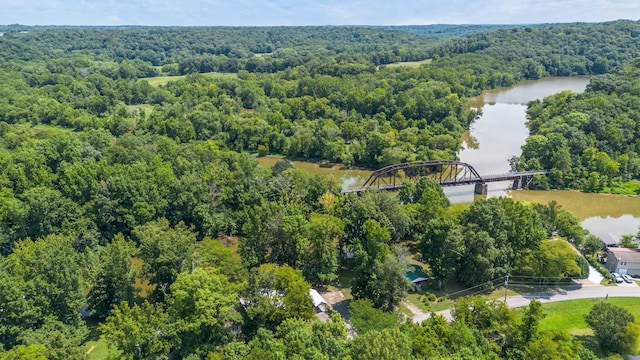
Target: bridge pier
x=481, y=188
x=517, y=184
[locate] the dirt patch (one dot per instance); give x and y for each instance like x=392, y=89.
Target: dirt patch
x=333, y=297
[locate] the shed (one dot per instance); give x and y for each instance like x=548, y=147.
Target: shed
x=416, y=275
x=317, y=299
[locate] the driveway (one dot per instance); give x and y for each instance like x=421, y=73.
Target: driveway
x=594, y=275
x=340, y=304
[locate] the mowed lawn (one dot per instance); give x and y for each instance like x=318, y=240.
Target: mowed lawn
x=163, y=80
x=569, y=315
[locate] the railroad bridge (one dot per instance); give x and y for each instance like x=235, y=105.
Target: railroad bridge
x=445, y=173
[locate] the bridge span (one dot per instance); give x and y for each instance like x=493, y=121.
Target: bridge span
x=444, y=172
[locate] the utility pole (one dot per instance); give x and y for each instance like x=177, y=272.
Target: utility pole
x=506, y=287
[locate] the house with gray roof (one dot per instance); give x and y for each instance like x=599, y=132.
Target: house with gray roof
x=609, y=240
x=624, y=261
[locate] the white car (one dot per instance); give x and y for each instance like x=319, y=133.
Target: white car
x=627, y=278
x=617, y=277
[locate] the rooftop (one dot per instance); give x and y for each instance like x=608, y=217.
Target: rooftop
x=416, y=274
x=609, y=239
x=624, y=254
x=316, y=298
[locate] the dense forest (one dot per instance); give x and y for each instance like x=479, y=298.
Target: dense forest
x=591, y=140
x=129, y=186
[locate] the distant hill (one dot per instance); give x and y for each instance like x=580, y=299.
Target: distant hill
x=447, y=31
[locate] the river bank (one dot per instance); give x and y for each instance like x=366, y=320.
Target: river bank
x=496, y=136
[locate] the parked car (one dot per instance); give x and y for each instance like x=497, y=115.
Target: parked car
x=627, y=278
x=617, y=277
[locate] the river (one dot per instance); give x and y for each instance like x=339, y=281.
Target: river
x=498, y=135
x=500, y=132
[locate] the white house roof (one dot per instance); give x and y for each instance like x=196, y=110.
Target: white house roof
x=316, y=298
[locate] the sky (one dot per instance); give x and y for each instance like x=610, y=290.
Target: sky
x=311, y=12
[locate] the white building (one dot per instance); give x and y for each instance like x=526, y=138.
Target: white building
x=318, y=301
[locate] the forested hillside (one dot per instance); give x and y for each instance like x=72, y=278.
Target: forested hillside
x=553, y=50
x=283, y=46
x=129, y=186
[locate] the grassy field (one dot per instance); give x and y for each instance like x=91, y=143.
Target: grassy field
x=569, y=315
x=45, y=127
x=137, y=110
x=421, y=301
x=141, y=284
x=97, y=350
x=96, y=347
x=163, y=80
x=409, y=63
x=148, y=109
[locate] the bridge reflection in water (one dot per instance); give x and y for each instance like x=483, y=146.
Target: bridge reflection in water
x=444, y=172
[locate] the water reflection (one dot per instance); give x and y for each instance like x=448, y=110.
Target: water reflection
x=529, y=90
x=347, y=178
x=469, y=141
x=599, y=213
x=625, y=224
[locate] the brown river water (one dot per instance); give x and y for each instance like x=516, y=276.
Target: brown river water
x=496, y=136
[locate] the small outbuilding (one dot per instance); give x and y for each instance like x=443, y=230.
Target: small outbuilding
x=318, y=301
x=417, y=276
x=623, y=261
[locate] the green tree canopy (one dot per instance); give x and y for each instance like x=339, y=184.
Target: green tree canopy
x=115, y=277
x=166, y=252
x=611, y=324
x=275, y=293
x=139, y=331
x=201, y=310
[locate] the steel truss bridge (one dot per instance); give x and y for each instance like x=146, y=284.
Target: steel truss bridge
x=444, y=172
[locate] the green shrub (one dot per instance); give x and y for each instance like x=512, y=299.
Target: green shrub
x=584, y=267
x=601, y=269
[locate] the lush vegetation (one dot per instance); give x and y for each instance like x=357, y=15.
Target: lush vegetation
x=144, y=204
x=589, y=141
x=165, y=203
x=568, y=49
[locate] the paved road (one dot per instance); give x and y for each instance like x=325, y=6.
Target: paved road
x=581, y=291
